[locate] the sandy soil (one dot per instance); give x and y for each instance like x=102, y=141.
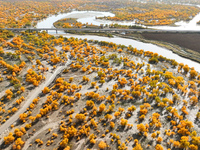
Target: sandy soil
x=50, y=125
x=133, y=120
x=31, y=95
x=54, y=117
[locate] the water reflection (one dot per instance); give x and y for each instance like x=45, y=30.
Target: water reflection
x=89, y=16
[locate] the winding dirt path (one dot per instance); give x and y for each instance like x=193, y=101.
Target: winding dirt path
x=30, y=97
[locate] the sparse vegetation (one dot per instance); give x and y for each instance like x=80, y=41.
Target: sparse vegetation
x=70, y=93
x=79, y=100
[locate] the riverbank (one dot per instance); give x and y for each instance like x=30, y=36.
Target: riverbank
x=189, y=51
x=183, y=44
x=187, y=46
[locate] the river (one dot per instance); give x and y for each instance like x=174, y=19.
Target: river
x=89, y=16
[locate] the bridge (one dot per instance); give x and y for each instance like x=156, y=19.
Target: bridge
x=101, y=30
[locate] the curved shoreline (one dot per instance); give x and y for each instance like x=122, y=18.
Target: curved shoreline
x=181, y=51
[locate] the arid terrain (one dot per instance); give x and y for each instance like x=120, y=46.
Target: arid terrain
x=59, y=93
x=99, y=95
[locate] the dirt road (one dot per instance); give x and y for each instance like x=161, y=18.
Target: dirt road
x=31, y=96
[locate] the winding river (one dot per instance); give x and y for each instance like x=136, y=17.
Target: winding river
x=89, y=16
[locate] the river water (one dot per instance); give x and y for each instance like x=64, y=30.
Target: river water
x=82, y=16
x=89, y=16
